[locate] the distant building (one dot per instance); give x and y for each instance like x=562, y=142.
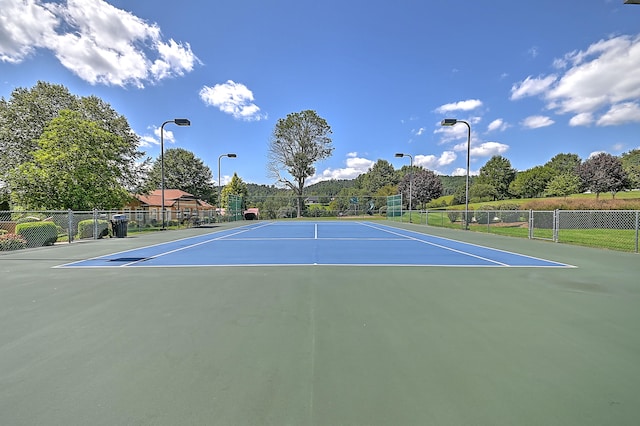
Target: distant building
x=179, y=206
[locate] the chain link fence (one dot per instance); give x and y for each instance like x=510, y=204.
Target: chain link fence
x=612, y=229
x=28, y=229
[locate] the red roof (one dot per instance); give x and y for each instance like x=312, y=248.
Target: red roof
x=171, y=197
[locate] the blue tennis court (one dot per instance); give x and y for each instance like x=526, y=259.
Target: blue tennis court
x=315, y=243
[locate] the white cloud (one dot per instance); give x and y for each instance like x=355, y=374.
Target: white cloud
x=531, y=87
x=467, y=105
x=432, y=162
x=147, y=141
x=355, y=166
x=486, y=149
x=598, y=85
x=459, y=171
x=582, y=119
x=20, y=37
x=537, y=121
x=95, y=40
x=627, y=112
x=234, y=99
x=497, y=125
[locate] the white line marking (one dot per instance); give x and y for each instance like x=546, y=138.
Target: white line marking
x=437, y=245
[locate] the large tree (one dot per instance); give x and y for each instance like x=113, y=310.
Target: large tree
x=78, y=165
x=564, y=163
x=298, y=142
x=425, y=186
x=498, y=173
x=378, y=176
x=631, y=165
x=23, y=118
x=563, y=185
x=26, y=114
x=184, y=171
x=531, y=183
x=603, y=173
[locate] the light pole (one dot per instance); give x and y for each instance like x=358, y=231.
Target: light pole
x=453, y=122
x=399, y=155
x=219, y=191
x=179, y=122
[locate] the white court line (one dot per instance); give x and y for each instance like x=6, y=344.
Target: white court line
x=487, y=248
x=437, y=245
x=191, y=245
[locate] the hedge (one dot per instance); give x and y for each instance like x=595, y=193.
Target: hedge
x=85, y=228
x=38, y=234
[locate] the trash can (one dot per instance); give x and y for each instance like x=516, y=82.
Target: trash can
x=119, y=225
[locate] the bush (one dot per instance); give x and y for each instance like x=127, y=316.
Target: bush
x=454, y=216
x=85, y=228
x=38, y=234
x=10, y=242
x=509, y=213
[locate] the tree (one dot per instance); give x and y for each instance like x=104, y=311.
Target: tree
x=24, y=117
x=631, y=165
x=77, y=166
x=379, y=175
x=235, y=187
x=479, y=192
x=603, y=173
x=531, y=183
x=563, y=185
x=564, y=163
x=184, y=171
x=298, y=142
x=498, y=173
x=426, y=186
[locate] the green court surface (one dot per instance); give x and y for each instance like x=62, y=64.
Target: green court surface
x=320, y=345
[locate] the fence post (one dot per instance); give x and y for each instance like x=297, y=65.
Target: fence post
x=530, y=224
x=70, y=225
x=637, y=226
x=556, y=224
x=95, y=224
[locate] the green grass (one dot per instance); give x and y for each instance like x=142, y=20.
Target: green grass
x=613, y=239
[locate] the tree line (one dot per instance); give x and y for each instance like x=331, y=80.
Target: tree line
x=62, y=151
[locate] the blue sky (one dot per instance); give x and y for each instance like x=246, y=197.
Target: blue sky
x=534, y=79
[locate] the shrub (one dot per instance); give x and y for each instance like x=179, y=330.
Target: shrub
x=12, y=242
x=454, y=216
x=509, y=213
x=38, y=234
x=85, y=228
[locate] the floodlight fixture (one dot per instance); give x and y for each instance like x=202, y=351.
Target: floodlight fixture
x=453, y=122
x=231, y=155
x=399, y=155
x=179, y=122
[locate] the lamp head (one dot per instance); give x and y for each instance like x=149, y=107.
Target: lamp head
x=182, y=121
x=448, y=122
x=231, y=155
x=399, y=154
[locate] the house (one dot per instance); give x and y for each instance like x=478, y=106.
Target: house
x=179, y=206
